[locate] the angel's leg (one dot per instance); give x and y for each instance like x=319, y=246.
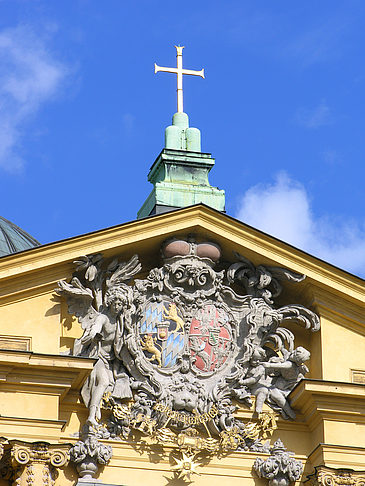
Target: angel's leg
x=97, y=392
x=261, y=395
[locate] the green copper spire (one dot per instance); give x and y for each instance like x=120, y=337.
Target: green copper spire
x=180, y=173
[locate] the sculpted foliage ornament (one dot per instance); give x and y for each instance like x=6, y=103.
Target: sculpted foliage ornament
x=87, y=454
x=178, y=349
x=280, y=468
x=3, y=441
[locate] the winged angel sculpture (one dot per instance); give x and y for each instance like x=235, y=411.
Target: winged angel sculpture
x=102, y=304
x=179, y=349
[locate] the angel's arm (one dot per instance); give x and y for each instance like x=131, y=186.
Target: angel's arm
x=285, y=365
x=258, y=373
x=249, y=381
x=94, y=329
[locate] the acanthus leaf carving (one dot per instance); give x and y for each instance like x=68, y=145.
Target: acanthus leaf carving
x=88, y=454
x=260, y=281
x=280, y=468
x=329, y=476
x=33, y=463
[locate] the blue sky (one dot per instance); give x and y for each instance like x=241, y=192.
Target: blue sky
x=282, y=109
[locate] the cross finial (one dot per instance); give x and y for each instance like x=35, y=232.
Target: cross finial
x=179, y=71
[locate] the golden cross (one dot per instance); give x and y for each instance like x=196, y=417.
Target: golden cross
x=179, y=71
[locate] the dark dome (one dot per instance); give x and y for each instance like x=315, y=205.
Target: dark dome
x=14, y=239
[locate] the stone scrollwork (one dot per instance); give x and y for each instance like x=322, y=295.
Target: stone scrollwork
x=177, y=350
x=328, y=476
x=33, y=463
x=280, y=468
x=260, y=281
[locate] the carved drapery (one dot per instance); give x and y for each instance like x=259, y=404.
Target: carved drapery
x=32, y=464
x=328, y=476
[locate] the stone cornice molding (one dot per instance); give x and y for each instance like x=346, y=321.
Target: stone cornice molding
x=338, y=308
x=232, y=233
x=319, y=400
x=338, y=456
x=56, y=373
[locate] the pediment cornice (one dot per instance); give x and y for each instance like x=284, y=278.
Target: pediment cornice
x=54, y=260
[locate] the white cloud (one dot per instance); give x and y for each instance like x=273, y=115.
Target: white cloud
x=323, y=41
x=29, y=77
x=315, y=117
x=283, y=209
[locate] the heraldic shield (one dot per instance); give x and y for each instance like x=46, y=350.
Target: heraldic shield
x=161, y=333
x=210, y=338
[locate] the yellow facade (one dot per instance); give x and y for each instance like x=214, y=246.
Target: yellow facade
x=40, y=384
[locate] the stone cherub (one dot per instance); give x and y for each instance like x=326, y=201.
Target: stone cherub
x=290, y=371
x=103, y=336
x=272, y=381
x=256, y=379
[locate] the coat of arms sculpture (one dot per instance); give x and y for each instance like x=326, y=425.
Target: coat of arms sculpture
x=178, y=350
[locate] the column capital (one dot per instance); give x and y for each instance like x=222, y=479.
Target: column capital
x=328, y=476
x=32, y=463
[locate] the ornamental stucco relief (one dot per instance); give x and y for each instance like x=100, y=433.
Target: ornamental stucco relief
x=178, y=350
x=329, y=476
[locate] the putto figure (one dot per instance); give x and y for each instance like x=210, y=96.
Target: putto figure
x=291, y=371
x=256, y=381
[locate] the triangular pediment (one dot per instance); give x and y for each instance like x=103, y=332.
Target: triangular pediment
x=145, y=237
x=301, y=292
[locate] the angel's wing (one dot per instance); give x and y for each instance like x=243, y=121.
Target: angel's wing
x=124, y=272
x=79, y=300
